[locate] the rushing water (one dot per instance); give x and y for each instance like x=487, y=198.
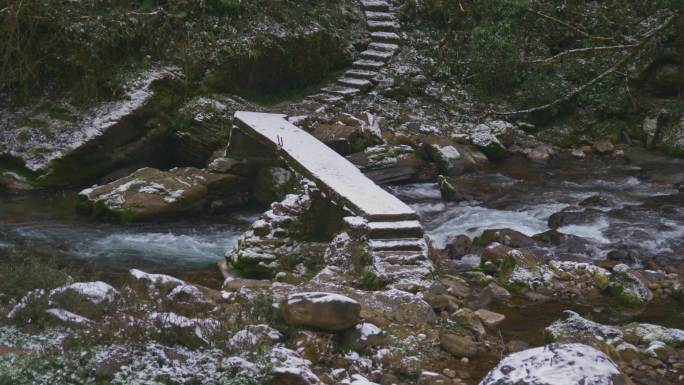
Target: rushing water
x=642, y=209
x=513, y=194
x=49, y=224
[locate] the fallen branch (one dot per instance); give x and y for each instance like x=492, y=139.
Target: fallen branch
x=580, y=51
x=568, y=25
x=637, y=48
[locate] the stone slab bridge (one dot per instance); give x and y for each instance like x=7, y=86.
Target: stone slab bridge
x=394, y=232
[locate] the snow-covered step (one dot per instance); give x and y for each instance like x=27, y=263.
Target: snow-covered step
x=364, y=64
x=397, y=229
x=391, y=272
x=326, y=98
x=380, y=16
x=404, y=244
x=372, y=54
x=362, y=84
x=361, y=74
x=383, y=47
x=375, y=5
x=341, y=91
x=387, y=26
x=401, y=257
x=391, y=217
x=385, y=37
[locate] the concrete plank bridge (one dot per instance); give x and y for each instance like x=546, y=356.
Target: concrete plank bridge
x=395, y=234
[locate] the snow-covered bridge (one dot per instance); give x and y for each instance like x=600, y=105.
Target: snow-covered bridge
x=396, y=236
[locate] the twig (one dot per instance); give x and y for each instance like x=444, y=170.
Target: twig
x=635, y=51
x=581, y=51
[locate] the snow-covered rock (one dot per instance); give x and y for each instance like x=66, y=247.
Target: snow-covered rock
x=189, y=300
x=189, y=332
x=88, y=299
x=326, y=311
x=253, y=336
x=289, y=368
x=629, y=287
x=574, y=328
x=101, y=137
x=565, y=364
x=68, y=318
x=643, y=333
x=153, y=283
x=149, y=193
x=489, y=136
x=365, y=335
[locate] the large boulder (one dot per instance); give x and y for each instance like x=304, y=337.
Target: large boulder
x=347, y=134
x=66, y=145
x=390, y=164
x=327, y=311
x=567, y=364
x=150, y=193
x=452, y=158
x=204, y=127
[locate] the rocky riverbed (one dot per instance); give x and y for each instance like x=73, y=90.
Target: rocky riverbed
x=147, y=239
x=578, y=255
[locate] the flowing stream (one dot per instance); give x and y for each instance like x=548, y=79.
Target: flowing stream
x=640, y=208
x=48, y=224
x=642, y=211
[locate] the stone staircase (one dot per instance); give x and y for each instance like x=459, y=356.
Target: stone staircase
x=383, y=26
x=400, y=252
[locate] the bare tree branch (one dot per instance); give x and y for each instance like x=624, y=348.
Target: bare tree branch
x=568, y=25
x=580, y=51
x=619, y=64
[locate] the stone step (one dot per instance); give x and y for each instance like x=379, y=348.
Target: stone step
x=325, y=97
x=398, y=229
x=361, y=74
x=398, y=244
x=371, y=54
x=392, y=272
x=391, y=217
x=362, y=84
x=368, y=64
x=401, y=257
x=341, y=91
x=383, y=47
x=375, y=5
x=380, y=16
x=380, y=26
x=385, y=37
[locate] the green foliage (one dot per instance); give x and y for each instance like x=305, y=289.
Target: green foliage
x=21, y=274
x=367, y=279
x=495, y=47
x=260, y=309
x=84, y=49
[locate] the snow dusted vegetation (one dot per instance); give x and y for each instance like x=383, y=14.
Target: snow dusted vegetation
x=341, y=192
